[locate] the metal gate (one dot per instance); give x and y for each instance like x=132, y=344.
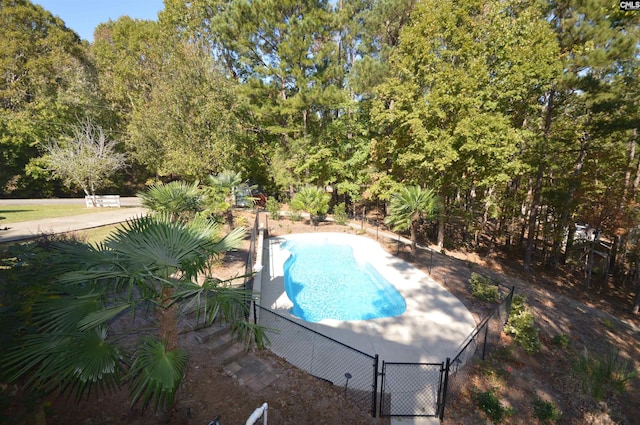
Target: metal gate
x=412, y=389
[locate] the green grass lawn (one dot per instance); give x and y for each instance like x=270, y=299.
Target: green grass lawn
x=17, y=213
x=97, y=234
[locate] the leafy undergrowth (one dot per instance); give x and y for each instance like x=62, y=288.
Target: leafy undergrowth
x=558, y=385
x=564, y=361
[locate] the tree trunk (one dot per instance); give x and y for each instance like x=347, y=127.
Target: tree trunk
x=168, y=320
x=636, y=301
x=629, y=191
x=613, y=254
x=414, y=237
x=570, y=240
x=533, y=219
x=441, y=219
x=636, y=279
x=574, y=184
x=229, y=218
x=627, y=174
x=537, y=192
x=590, y=258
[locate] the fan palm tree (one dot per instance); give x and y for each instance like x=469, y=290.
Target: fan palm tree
x=149, y=268
x=312, y=200
x=225, y=190
x=408, y=207
x=178, y=199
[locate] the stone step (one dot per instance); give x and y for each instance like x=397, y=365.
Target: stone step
x=220, y=343
x=191, y=323
x=225, y=348
x=217, y=339
x=231, y=354
x=213, y=332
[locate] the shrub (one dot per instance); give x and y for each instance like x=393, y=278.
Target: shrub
x=518, y=304
x=489, y=404
x=312, y=200
x=602, y=376
x=273, y=208
x=295, y=215
x=607, y=323
x=521, y=325
x=241, y=221
x=561, y=340
x=340, y=214
x=545, y=411
x=482, y=289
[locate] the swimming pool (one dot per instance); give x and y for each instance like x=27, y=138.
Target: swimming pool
x=432, y=327
x=324, y=280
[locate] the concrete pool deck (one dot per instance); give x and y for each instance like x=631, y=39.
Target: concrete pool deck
x=432, y=328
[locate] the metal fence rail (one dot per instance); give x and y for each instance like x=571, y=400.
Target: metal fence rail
x=323, y=357
x=425, y=389
x=483, y=338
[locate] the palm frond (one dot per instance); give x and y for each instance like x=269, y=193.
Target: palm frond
x=226, y=180
x=76, y=362
x=248, y=333
x=156, y=373
x=164, y=248
x=101, y=317
x=212, y=299
x=178, y=199
x=142, y=263
x=97, y=363
x=72, y=256
x=230, y=241
x=61, y=312
x=312, y=200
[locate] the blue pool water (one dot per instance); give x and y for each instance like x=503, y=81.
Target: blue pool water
x=324, y=280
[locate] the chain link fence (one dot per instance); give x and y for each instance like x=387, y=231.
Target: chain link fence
x=411, y=389
x=484, y=337
x=322, y=357
x=407, y=389
x=424, y=389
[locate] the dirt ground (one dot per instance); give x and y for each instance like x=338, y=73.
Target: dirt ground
x=593, y=323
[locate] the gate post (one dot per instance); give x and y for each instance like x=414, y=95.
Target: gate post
x=443, y=389
x=486, y=332
x=374, y=396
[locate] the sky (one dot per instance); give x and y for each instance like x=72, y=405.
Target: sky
x=83, y=16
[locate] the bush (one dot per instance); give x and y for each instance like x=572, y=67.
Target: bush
x=561, y=340
x=521, y=325
x=340, y=214
x=312, y=200
x=518, y=304
x=489, y=404
x=545, y=411
x=295, y=215
x=482, y=289
x=241, y=221
x=273, y=208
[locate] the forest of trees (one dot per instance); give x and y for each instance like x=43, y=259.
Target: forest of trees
x=522, y=116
